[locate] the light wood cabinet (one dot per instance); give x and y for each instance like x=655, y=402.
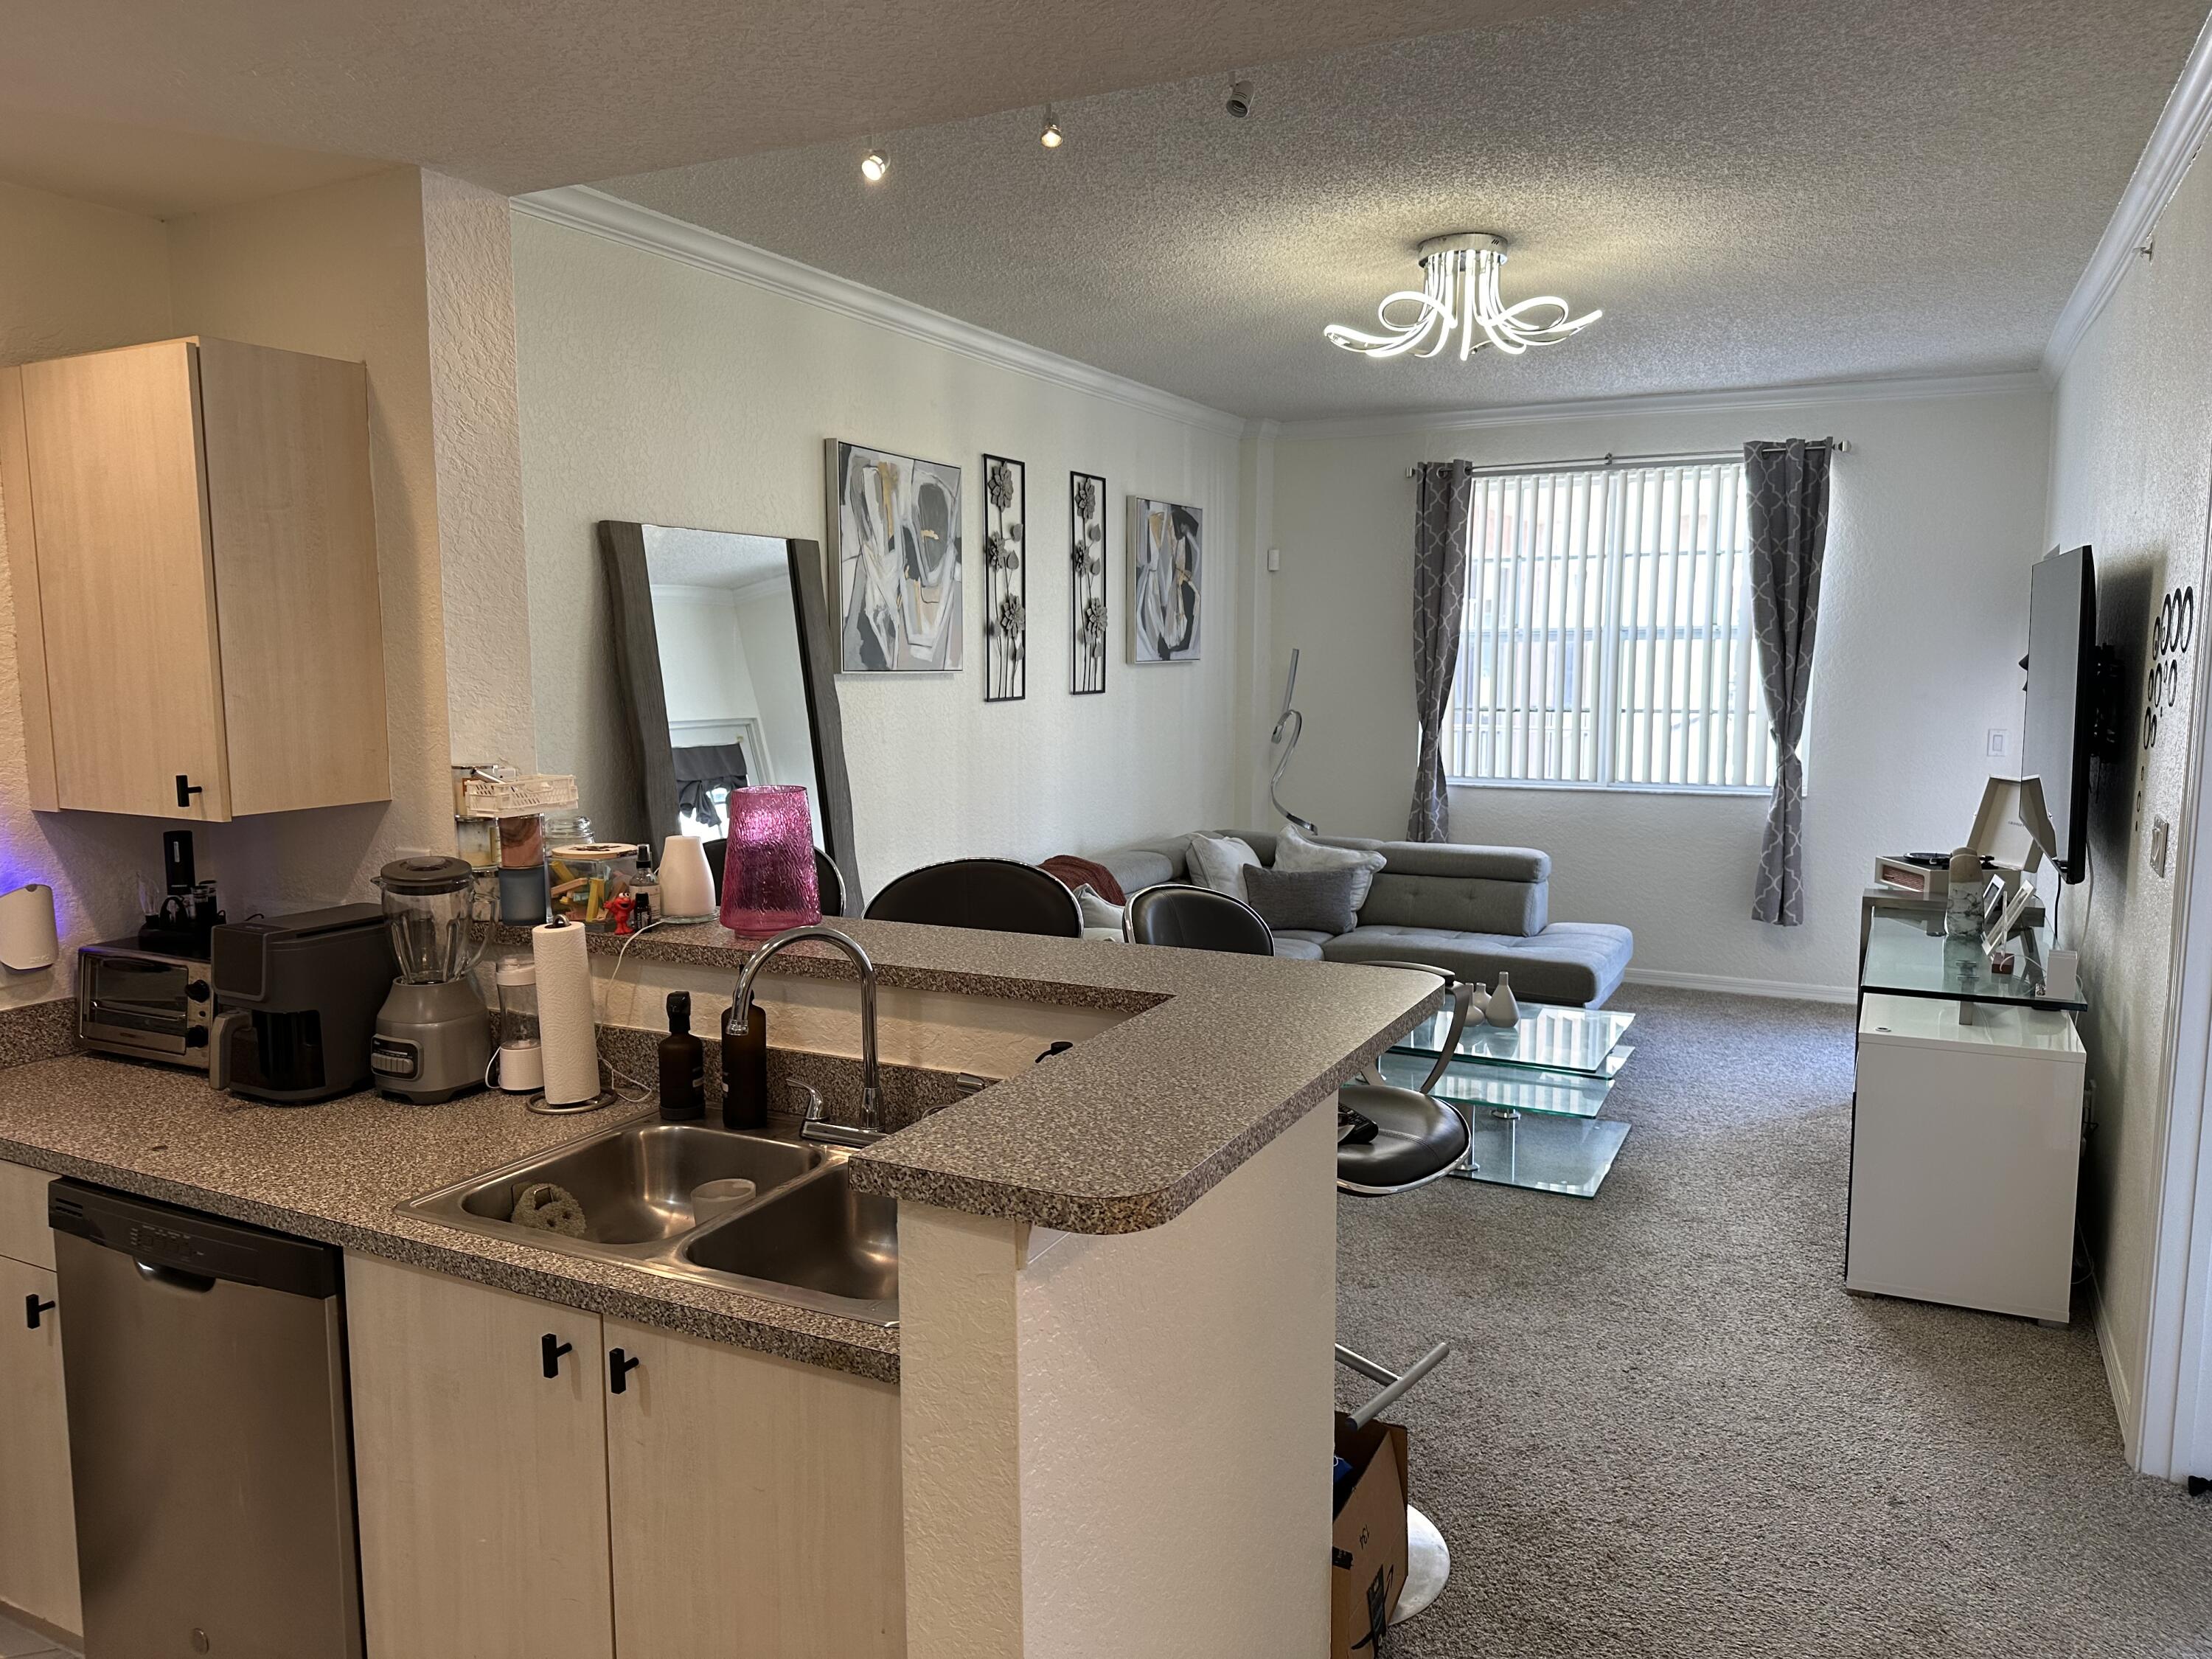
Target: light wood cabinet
x=38, y=1519
x=192, y=545
x=724, y=1503
x=757, y=1505
x=24, y=1234
x=481, y=1483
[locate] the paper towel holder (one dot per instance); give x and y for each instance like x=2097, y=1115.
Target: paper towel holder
x=27, y=934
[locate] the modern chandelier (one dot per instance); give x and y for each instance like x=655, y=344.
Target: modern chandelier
x=1460, y=295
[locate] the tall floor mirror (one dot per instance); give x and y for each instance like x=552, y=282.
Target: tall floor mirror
x=723, y=651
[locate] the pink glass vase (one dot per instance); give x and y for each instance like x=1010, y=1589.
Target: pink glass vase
x=768, y=870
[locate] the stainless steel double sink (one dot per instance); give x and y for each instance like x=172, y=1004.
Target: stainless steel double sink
x=805, y=1237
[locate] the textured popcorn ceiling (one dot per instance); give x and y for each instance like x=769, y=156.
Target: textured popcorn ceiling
x=521, y=94
x=1755, y=193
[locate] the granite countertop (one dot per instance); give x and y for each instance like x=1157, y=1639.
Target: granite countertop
x=335, y=1172
x=1124, y=1131
x=1131, y=1127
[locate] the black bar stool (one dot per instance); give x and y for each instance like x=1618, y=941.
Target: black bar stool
x=995, y=895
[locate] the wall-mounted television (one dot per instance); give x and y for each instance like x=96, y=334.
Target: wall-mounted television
x=2062, y=697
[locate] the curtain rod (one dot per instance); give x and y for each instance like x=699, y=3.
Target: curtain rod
x=1599, y=463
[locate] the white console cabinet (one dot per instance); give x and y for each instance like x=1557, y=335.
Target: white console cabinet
x=1965, y=1154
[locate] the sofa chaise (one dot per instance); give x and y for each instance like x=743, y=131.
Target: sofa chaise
x=1474, y=910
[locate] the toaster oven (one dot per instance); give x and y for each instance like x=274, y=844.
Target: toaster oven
x=143, y=1004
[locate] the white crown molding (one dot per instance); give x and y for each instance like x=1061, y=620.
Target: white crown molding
x=580, y=207
x=2182, y=127
x=1894, y=390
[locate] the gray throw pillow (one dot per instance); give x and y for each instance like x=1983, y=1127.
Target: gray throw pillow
x=1311, y=901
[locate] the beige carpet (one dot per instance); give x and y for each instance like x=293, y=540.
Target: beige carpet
x=1667, y=1431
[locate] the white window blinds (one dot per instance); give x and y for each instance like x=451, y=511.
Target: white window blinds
x=1607, y=638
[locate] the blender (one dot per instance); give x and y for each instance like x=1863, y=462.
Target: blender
x=433, y=1033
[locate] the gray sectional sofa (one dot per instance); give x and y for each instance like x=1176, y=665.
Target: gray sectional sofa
x=1472, y=909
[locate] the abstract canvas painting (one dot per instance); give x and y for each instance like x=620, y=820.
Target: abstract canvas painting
x=1086, y=515
x=894, y=524
x=1006, y=580
x=1167, y=581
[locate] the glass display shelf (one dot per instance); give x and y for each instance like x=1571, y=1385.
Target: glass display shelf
x=1476, y=1084
x=1566, y=1155
x=1905, y=958
x=1546, y=1039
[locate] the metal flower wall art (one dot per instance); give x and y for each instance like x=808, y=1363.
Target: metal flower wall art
x=896, y=561
x=1006, y=580
x=1086, y=514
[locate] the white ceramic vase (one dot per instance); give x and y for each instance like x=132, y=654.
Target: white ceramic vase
x=1503, y=1009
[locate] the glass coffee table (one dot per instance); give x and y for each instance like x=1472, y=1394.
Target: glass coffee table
x=1532, y=1093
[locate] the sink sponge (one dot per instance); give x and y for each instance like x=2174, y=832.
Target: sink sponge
x=554, y=1209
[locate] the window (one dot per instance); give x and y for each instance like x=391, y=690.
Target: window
x=1607, y=639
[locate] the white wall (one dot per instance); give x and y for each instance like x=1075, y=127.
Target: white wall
x=703, y=671
x=2131, y=467
x=1936, y=516
x=1114, y=1445
x=658, y=391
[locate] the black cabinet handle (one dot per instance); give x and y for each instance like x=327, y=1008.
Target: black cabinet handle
x=33, y=1308
x=619, y=1366
x=187, y=789
x=552, y=1347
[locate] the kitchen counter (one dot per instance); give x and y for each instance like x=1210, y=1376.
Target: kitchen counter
x=1125, y=1131
x=1131, y=1127
x=335, y=1171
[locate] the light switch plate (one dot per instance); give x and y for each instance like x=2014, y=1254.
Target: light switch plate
x=2162, y=837
x=1274, y=558
x=1998, y=741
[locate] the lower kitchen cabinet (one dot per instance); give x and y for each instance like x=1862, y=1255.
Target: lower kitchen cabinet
x=37, y=1520
x=756, y=1505
x=481, y=1482
x=724, y=1505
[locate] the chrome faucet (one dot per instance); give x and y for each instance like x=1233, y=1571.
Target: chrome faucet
x=870, y=1127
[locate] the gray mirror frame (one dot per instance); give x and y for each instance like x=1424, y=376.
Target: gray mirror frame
x=637, y=665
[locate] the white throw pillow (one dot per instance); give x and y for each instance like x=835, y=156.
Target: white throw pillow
x=1294, y=852
x=1219, y=862
x=1098, y=911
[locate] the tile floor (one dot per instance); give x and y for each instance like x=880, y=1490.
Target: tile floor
x=16, y=1642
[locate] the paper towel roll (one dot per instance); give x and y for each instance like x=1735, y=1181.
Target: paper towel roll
x=567, y=1032
x=687, y=886
x=27, y=928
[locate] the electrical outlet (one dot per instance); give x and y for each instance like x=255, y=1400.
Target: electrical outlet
x=2162, y=840
x=1999, y=740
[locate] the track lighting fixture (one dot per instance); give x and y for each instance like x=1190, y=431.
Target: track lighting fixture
x=873, y=165
x=1050, y=137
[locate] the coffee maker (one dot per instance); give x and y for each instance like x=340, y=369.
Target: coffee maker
x=296, y=1000
x=433, y=1033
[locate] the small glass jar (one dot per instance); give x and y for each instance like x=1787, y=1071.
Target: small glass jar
x=591, y=884
x=521, y=843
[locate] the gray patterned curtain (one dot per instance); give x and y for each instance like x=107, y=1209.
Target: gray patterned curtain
x=1788, y=491
x=1442, y=503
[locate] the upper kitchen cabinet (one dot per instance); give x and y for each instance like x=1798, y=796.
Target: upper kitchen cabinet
x=193, y=547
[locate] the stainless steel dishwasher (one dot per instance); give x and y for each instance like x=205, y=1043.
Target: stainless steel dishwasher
x=210, y=1450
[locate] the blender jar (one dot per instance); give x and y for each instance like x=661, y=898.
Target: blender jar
x=429, y=906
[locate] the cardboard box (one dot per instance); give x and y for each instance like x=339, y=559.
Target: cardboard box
x=1367, y=1557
